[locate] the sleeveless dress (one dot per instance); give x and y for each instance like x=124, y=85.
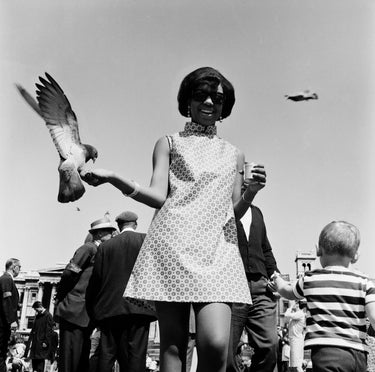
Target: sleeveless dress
x=190, y=253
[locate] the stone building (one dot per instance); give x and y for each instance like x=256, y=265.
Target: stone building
x=40, y=285
x=34, y=286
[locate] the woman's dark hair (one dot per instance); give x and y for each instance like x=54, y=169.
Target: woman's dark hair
x=197, y=77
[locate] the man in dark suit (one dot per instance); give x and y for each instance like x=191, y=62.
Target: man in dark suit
x=71, y=314
x=40, y=342
x=259, y=319
x=8, y=307
x=124, y=323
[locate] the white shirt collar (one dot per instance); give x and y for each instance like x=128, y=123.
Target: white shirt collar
x=11, y=274
x=337, y=268
x=127, y=229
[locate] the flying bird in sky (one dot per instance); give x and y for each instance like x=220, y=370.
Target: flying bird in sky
x=53, y=106
x=306, y=95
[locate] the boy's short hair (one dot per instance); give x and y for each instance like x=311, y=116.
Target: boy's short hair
x=339, y=238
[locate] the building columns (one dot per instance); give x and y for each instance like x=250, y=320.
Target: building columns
x=52, y=300
x=40, y=291
x=26, y=292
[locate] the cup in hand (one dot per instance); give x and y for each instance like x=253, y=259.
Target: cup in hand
x=248, y=167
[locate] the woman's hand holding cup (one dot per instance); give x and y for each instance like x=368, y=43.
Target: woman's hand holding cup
x=254, y=177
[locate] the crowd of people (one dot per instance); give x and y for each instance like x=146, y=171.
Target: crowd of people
x=206, y=255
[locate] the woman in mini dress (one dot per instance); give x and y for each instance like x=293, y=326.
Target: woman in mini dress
x=190, y=254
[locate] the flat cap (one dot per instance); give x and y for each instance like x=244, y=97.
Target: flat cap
x=127, y=216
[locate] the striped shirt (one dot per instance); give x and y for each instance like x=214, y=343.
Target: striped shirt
x=336, y=299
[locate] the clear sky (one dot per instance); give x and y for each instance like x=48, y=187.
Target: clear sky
x=120, y=64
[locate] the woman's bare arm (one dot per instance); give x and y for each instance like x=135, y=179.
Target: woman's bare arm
x=243, y=200
x=153, y=195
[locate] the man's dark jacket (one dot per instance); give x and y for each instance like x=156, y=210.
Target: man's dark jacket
x=71, y=290
x=41, y=337
x=9, y=300
x=256, y=253
x=114, y=263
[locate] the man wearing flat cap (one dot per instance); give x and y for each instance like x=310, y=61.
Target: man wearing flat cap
x=74, y=322
x=124, y=323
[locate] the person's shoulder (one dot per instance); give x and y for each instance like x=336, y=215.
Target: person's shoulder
x=317, y=271
x=86, y=248
x=132, y=234
x=311, y=275
x=89, y=246
x=361, y=274
x=48, y=314
x=254, y=208
x=163, y=140
x=108, y=245
x=6, y=277
x=118, y=239
x=163, y=145
x=332, y=275
x=230, y=144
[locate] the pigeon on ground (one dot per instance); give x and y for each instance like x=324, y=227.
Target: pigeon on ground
x=306, y=95
x=61, y=121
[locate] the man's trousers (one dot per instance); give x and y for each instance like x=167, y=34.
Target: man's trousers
x=125, y=339
x=259, y=321
x=74, y=347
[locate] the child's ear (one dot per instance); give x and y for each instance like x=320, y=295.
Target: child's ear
x=318, y=250
x=355, y=258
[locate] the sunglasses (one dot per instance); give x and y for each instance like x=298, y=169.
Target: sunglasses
x=201, y=96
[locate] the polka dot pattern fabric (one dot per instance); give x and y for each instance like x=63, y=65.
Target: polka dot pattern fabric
x=190, y=253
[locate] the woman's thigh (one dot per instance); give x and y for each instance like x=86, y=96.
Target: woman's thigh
x=213, y=322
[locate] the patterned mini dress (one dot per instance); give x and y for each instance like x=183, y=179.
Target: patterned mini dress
x=190, y=253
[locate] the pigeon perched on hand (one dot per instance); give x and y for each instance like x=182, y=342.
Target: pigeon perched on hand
x=62, y=123
x=306, y=95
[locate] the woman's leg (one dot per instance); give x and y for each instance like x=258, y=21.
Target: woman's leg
x=174, y=331
x=213, y=331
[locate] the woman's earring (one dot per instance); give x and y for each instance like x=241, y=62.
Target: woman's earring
x=221, y=119
x=188, y=111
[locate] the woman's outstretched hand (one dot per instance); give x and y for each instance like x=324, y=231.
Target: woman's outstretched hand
x=96, y=177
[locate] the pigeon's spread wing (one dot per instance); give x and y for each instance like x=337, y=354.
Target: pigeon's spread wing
x=58, y=115
x=29, y=99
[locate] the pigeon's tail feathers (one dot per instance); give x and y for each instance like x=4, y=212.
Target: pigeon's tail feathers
x=71, y=187
x=29, y=99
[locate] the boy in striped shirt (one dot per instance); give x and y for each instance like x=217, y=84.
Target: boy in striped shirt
x=338, y=301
